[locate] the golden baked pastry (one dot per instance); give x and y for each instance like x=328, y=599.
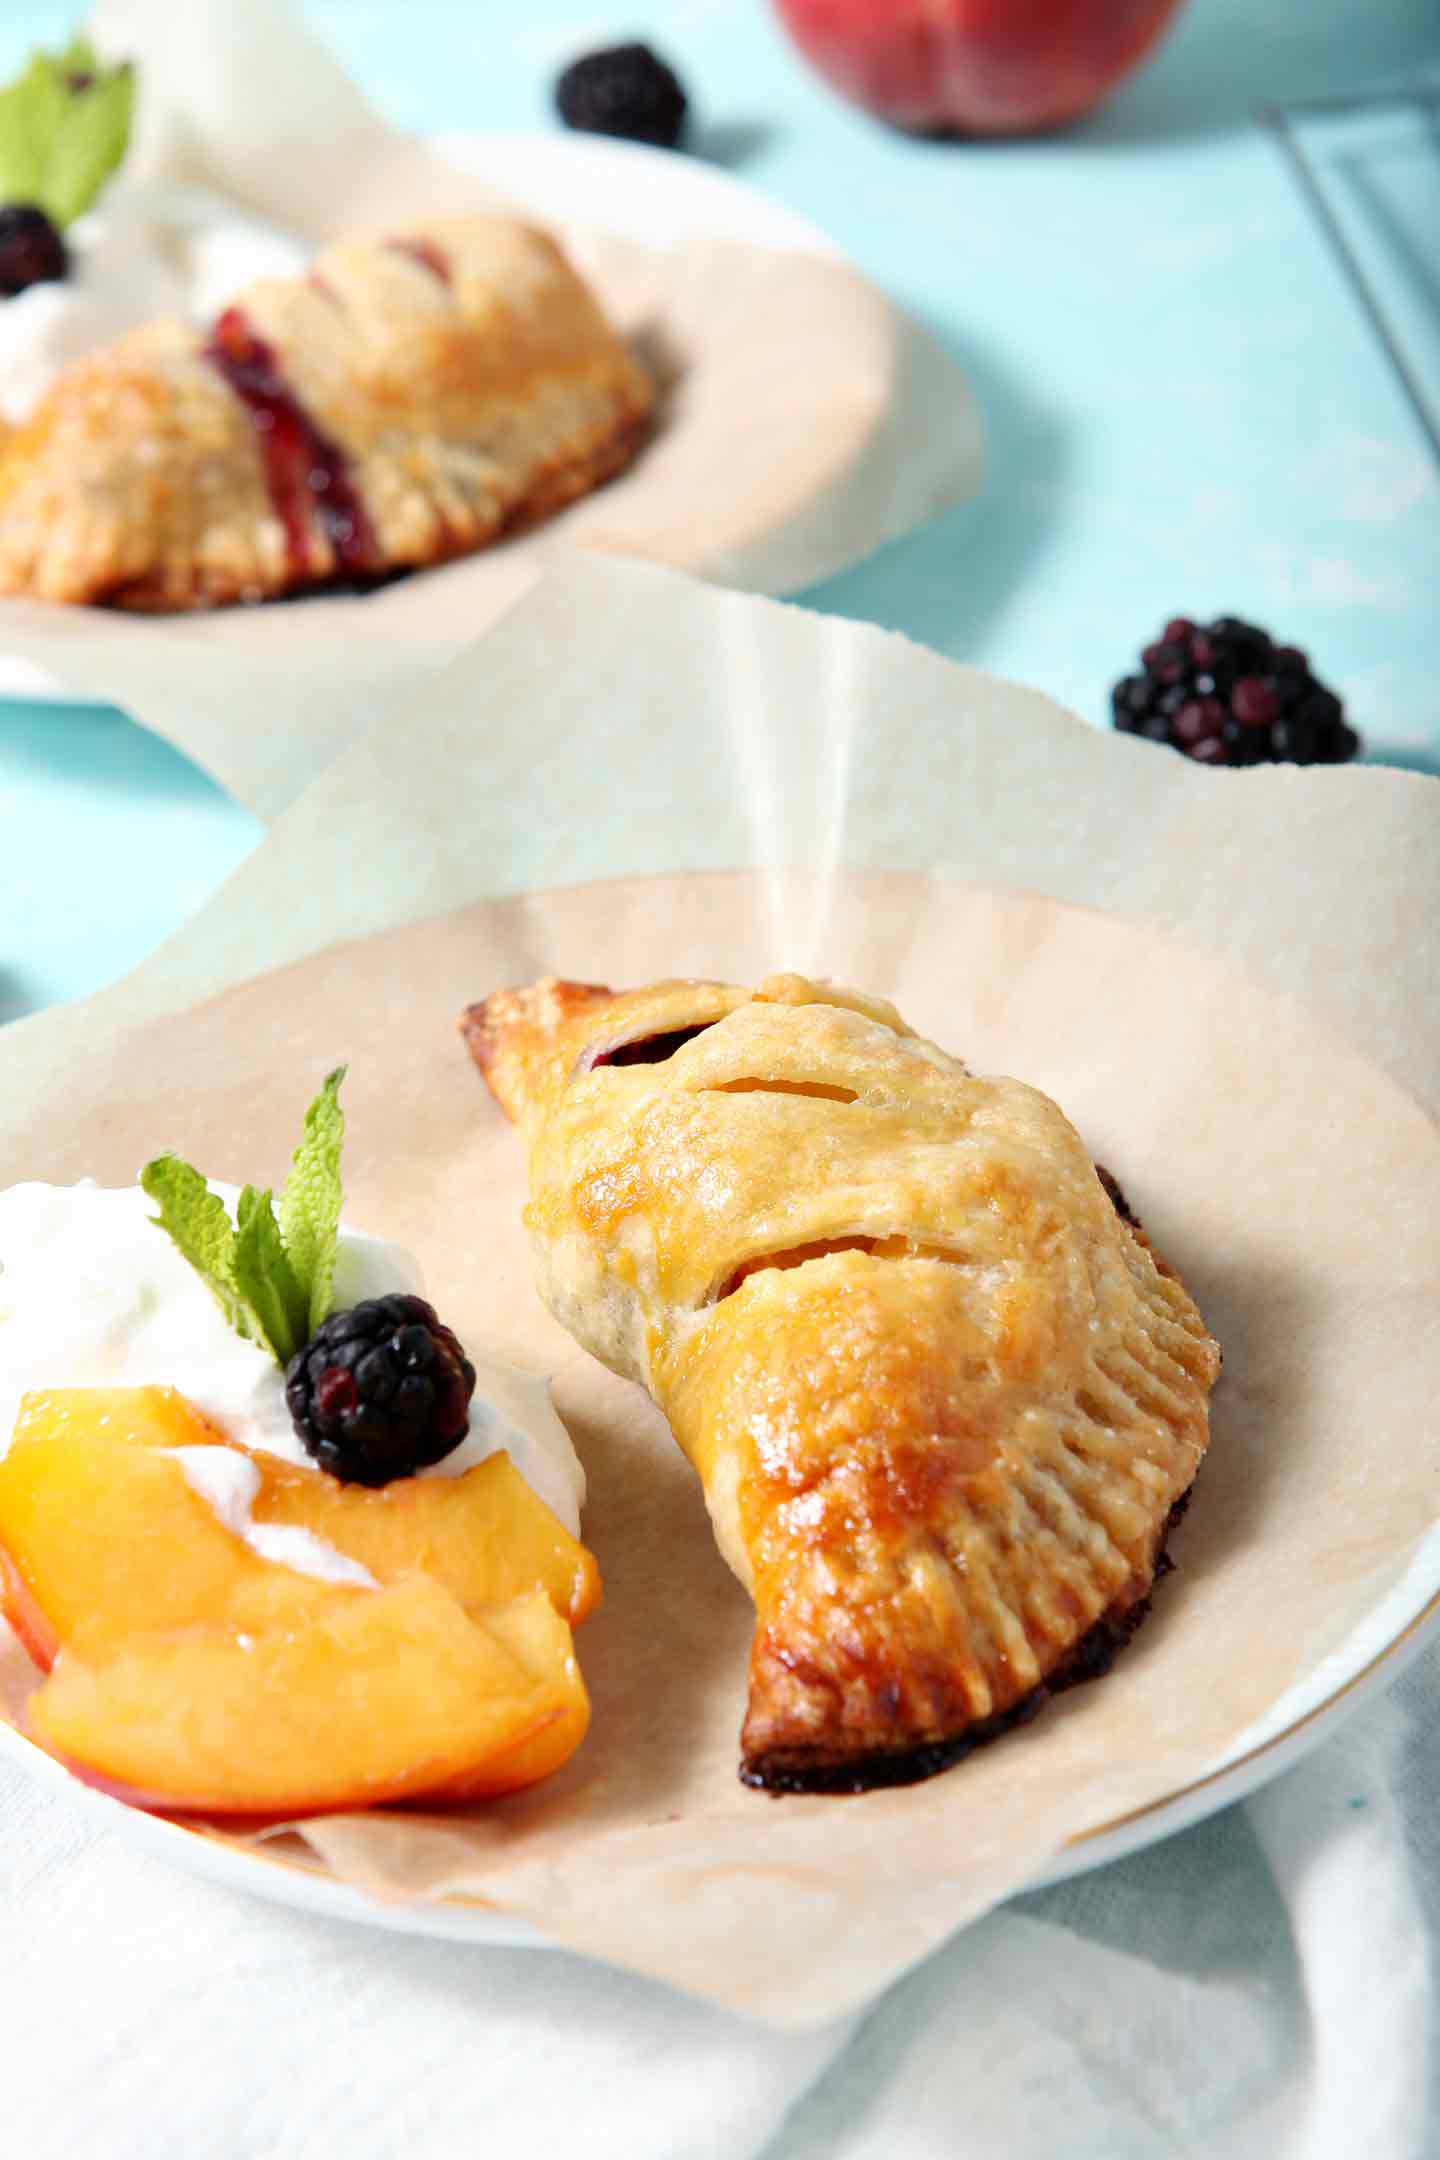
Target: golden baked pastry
x=409, y=400
x=944, y=1399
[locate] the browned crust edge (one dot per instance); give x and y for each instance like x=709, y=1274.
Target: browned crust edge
x=562, y=481
x=780, y=1771
x=511, y=1033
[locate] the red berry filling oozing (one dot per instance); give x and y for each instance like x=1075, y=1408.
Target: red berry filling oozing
x=308, y=475
x=428, y=254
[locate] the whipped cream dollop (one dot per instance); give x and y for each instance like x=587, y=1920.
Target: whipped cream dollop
x=93, y=1294
x=230, y=1483
x=146, y=252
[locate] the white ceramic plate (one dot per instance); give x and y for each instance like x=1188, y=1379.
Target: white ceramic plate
x=654, y=196
x=1377, y=1651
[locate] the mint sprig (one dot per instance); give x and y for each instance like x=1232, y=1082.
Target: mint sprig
x=272, y=1277
x=64, y=129
x=310, y=1203
x=197, y=1221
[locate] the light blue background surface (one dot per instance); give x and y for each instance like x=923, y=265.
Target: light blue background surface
x=1184, y=410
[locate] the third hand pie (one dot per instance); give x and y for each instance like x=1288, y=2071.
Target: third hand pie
x=944, y=1398
x=408, y=401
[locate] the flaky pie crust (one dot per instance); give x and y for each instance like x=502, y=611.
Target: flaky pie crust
x=462, y=373
x=944, y=1398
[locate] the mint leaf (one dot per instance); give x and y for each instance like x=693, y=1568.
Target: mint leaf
x=265, y=1278
x=273, y=1279
x=242, y=1264
x=64, y=129
x=310, y=1203
x=196, y=1221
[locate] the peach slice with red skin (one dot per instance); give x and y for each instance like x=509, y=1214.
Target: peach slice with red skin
x=37, y=1638
x=189, y=1672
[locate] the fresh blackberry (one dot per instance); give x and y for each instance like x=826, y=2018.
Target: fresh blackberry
x=624, y=90
x=380, y=1391
x=1224, y=693
x=31, y=250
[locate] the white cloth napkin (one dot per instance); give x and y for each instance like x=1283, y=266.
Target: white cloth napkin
x=1255, y=1988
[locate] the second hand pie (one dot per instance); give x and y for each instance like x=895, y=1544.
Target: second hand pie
x=944, y=1398
x=409, y=400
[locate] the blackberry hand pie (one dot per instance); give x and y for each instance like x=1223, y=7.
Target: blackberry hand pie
x=406, y=402
x=944, y=1397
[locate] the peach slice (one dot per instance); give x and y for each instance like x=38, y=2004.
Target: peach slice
x=483, y=1534
x=189, y=1672
x=362, y=1696
x=537, y=1638
x=103, y=1538
x=37, y=1638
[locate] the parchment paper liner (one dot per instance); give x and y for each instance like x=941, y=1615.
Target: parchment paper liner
x=803, y=423
x=630, y=719
x=1296, y=1187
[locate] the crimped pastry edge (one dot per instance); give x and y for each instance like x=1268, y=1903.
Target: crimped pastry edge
x=782, y=1771
x=565, y=481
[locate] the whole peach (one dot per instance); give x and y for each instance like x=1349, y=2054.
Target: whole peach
x=975, y=67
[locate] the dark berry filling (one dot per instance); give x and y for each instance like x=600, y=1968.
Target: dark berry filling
x=1115, y=1194
x=308, y=475
x=428, y=254
x=648, y=1049
x=1225, y=693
